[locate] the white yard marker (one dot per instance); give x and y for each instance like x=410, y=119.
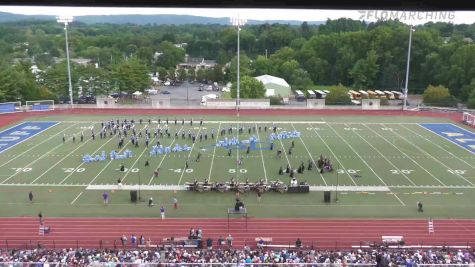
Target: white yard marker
x=450, y=153
x=33, y=162
x=189, y=154
x=164, y=156
x=139, y=157
x=428, y=154
x=72, y=202
x=31, y=148
x=366, y=163
x=110, y=161
x=57, y=162
x=310, y=154
x=392, y=164
x=214, y=152
x=262, y=155
x=407, y=156
x=333, y=153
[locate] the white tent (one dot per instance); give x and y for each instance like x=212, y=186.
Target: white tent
x=137, y=93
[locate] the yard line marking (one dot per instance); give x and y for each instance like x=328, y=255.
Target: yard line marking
x=164, y=156
x=285, y=153
x=310, y=154
x=139, y=157
x=33, y=162
x=383, y=156
x=77, y=197
x=262, y=155
x=214, y=152
x=459, y=158
x=189, y=154
x=364, y=161
x=339, y=162
x=57, y=162
x=69, y=175
x=441, y=163
x=110, y=161
x=5, y=163
x=407, y=156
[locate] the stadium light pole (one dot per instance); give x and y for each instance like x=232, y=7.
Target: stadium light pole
x=411, y=29
x=238, y=23
x=66, y=20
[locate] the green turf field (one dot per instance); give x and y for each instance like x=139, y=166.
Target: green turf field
x=399, y=162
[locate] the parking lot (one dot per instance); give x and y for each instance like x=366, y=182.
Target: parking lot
x=185, y=93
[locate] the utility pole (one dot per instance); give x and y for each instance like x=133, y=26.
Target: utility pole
x=407, y=67
x=66, y=20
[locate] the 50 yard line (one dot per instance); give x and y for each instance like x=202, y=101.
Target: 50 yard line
x=262, y=155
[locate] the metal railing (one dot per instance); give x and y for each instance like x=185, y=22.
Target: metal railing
x=306, y=245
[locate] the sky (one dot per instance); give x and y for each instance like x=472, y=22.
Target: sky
x=457, y=17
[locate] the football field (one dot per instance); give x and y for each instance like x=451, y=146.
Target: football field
x=382, y=167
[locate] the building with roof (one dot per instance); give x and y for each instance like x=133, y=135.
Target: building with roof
x=275, y=86
x=196, y=63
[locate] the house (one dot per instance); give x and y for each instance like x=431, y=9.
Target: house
x=274, y=86
x=196, y=63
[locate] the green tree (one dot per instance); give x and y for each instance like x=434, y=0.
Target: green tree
x=245, y=67
x=338, y=96
x=300, y=79
x=365, y=70
x=438, y=96
x=131, y=75
x=171, y=55
x=471, y=95
x=249, y=87
x=181, y=74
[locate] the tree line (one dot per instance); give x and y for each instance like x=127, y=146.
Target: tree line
x=352, y=53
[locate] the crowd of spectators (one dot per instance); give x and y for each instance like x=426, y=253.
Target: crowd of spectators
x=105, y=257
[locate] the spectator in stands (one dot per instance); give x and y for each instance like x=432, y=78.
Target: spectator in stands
x=123, y=240
x=220, y=241
x=230, y=239
x=298, y=243
x=199, y=234
x=209, y=243
x=133, y=240
x=260, y=243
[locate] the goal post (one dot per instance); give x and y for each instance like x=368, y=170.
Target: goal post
x=40, y=105
x=10, y=107
x=468, y=119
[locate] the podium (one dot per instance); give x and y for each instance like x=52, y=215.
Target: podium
x=232, y=211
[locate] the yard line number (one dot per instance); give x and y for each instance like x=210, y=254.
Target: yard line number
x=401, y=171
x=22, y=169
x=456, y=171
x=350, y=171
x=74, y=169
x=180, y=170
x=234, y=170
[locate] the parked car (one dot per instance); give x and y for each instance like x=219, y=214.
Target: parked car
x=165, y=92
